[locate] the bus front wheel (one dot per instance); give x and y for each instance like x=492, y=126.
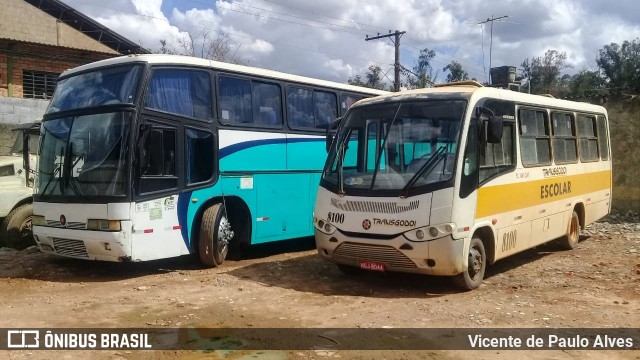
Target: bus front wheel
x=16, y=227
x=215, y=236
x=472, y=276
x=570, y=240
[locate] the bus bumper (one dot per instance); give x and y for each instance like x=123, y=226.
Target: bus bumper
x=85, y=244
x=442, y=256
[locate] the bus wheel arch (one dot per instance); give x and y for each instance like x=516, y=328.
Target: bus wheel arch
x=580, y=210
x=475, y=268
x=238, y=217
x=570, y=240
x=486, y=235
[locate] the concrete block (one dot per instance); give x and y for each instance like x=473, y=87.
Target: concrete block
x=12, y=119
x=6, y=108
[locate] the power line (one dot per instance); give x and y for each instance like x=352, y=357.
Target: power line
x=326, y=23
x=327, y=16
x=241, y=35
x=283, y=14
x=283, y=20
x=396, y=42
x=474, y=65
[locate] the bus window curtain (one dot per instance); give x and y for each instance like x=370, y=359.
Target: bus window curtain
x=170, y=90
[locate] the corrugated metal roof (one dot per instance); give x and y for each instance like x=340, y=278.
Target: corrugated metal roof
x=88, y=26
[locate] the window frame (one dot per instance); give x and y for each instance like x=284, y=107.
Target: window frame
x=165, y=125
x=212, y=86
x=49, y=90
x=252, y=80
x=574, y=129
x=313, y=90
x=602, y=120
x=588, y=138
x=545, y=112
x=216, y=171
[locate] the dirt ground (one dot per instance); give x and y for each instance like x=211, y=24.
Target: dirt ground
x=596, y=285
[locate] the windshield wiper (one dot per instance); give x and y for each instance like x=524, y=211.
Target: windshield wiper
x=382, y=144
x=341, y=154
x=53, y=176
x=437, y=156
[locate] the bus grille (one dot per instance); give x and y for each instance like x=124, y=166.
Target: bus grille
x=384, y=207
x=68, y=247
x=352, y=252
x=70, y=224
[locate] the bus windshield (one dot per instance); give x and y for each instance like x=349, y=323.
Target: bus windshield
x=106, y=86
x=84, y=156
x=396, y=146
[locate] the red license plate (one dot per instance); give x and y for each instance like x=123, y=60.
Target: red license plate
x=372, y=265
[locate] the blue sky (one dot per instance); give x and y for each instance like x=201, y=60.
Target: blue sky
x=325, y=39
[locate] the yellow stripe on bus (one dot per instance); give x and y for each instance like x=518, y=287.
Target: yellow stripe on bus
x=502, y=198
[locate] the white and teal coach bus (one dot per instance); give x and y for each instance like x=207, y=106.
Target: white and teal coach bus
x=154, y=156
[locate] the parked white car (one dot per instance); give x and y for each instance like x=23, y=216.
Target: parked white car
x=16, y=187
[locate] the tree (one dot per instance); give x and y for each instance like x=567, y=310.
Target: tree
x=543, y=72
x=203, y=44
x=374, y=79
x=423, y=74
x=456, y=73
x=621, y=66
x=585, y=84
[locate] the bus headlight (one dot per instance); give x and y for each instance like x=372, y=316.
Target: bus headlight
x=429, y=232
x=103, y=225
x=324, y=227
x=37, y=220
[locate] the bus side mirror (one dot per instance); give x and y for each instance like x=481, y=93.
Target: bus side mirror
x=332, y=129
x=491, y=126
x=25, y=157
x=495, y=128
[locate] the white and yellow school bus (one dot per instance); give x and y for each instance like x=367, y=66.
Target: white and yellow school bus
x=446, y=180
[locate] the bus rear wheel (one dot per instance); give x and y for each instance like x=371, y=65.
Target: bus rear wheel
x=473, y=275
x=215, y=236
x=570, y=240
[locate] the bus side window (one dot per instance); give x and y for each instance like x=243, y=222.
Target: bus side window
x=326, y=108
x=588, y=138
x=235, y=100
x=160, y=152
x=200, y=152
x=267, y=109
x=181, y=92
x=300, y=107
x=346, y=100
x=603, y=138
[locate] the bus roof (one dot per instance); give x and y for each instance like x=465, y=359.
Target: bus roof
x=468, y=90
x=162, y=59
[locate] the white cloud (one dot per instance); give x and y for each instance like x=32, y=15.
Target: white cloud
x=326, y=39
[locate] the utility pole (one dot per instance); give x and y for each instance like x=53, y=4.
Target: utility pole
x=396, y=42
x=491, y=19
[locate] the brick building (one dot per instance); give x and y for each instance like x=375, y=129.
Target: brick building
x=41, y=38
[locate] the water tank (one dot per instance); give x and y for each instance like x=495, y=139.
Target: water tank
x=503, y=75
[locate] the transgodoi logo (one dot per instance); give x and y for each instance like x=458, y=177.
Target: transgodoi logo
x=23, y=339
x=366, y=224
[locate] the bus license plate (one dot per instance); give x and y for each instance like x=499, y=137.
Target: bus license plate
x=372, y=265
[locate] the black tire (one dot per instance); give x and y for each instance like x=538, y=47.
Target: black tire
x=473, y=275
x=215, y=236
x=570, y=240
x=16, y=227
